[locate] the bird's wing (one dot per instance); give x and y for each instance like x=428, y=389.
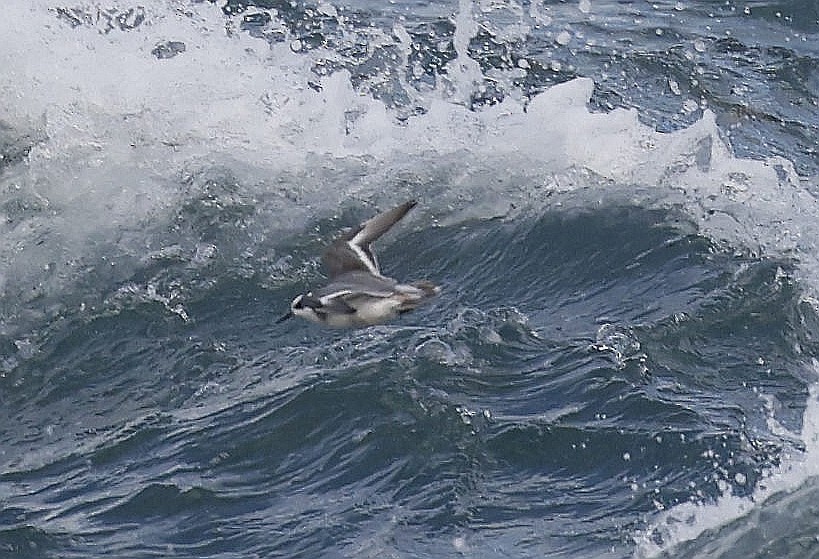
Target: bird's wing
x=351, y=284
x=352, y=251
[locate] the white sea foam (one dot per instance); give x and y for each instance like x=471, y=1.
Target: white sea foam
x=111, y=110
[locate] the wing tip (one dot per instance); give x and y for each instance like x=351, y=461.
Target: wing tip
x=402, y=209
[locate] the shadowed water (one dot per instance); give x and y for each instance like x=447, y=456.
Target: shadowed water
x=577, y=373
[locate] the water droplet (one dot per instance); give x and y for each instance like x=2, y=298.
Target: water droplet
x=689, y=106
x=563, y=38
x=327, y=9
x=674, y=86
x=459, y=543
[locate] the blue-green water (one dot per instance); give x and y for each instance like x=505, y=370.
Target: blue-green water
x=622, y=362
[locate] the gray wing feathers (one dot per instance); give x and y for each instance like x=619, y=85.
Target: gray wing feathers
x=351, y=252
x=376, y=226
x=341, y=258
x=338, y=306
x=357, y=283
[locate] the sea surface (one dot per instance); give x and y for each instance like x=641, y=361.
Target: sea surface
x=618, y=199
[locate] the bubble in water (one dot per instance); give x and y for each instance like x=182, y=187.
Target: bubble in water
x=699, y=45
x=327, y=9
x=584, y=6
x=460, y=545
x=689, y=106
x=563, y=38
x=674, y=86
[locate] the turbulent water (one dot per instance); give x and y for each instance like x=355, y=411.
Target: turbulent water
x=617, y=198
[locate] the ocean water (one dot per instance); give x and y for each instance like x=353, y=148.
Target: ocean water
x=617, y=198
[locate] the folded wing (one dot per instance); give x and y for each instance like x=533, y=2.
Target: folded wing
x=358, y=283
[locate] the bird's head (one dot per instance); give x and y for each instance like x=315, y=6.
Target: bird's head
x=304, y=306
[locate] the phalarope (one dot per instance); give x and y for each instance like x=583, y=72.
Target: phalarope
x=358, y=294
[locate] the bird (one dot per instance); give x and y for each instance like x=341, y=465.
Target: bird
x=358, y=294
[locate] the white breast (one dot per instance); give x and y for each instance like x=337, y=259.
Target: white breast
x=378, y=310
x=371, y=311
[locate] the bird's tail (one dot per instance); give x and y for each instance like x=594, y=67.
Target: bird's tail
x=428, y=288
x=416, y=294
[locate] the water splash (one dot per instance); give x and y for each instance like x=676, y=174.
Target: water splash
x=677, y=531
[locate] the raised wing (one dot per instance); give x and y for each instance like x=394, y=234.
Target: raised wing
x=352, y=252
